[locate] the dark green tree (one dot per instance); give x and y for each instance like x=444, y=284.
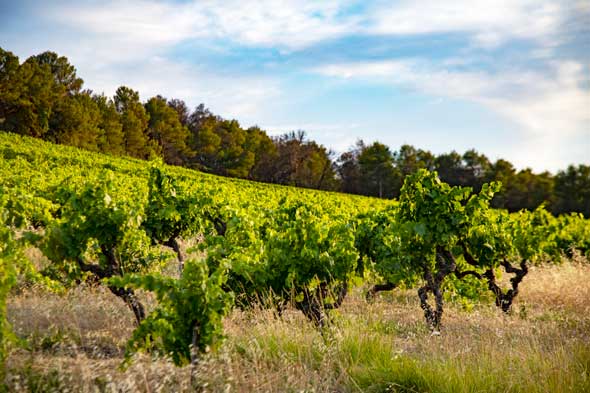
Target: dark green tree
x=63, y=72
x=409, y=160
x=165, y=128
x=28, y=95
x=219, y=147
x=348, y=169
x=377, y=171
x=572, y=190
x=74, y=116
x=134, y=119
x=265, y=153
x=520, y=190
x=112, y=139
x=76, y=122
x=183, y=112
x=232, y=159
x=203, y=140
x=475, y=168
x=529, y=190
x=303, y=163
x=450, y=168
x=12, y=90
x=503, y=172
x=318, y=170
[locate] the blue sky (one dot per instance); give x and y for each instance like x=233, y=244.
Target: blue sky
x=509, y=78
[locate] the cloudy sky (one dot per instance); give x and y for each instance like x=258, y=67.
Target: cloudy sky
x=509, y=78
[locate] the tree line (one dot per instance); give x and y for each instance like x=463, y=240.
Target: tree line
x=43, y=97
x=376, y=170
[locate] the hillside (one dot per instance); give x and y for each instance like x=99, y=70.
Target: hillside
x=39, y=166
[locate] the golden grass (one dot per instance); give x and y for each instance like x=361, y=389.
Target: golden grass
x=565, y=288
x=77, y=341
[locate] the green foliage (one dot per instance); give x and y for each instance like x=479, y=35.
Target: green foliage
x=293, y=253
x=433, y=214
x=24, y=210
x=9, y=255
x=235, y=241
x=265, y=153
x=221, y=147
x=188, y=318
x=170, y=211
x=378, y=242
x=532, y=234
x=299, y=162
x=496, y=237
x=93, y=226
x=62, y=71
x=571, y=232
x=99, y=236
x=304, y=248
x=466, y=291
x=26, y=213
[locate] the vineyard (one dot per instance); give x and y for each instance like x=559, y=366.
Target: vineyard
x=191, y=260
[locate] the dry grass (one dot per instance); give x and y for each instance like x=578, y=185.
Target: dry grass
x=77, y=341
x=564, y=289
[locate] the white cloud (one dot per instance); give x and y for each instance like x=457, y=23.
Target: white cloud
x=558, y=106
x=141, y=24
x=522, y=95
x=293, y=24
x=287, y=24
x=490, y=22
x=135, y=21
x=411, y=74
x=551, y=108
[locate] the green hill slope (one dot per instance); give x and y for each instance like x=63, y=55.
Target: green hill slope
x=39, y=167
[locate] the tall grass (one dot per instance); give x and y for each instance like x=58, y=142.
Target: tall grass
x=77, y=341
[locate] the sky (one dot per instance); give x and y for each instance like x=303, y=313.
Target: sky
x=509, y=78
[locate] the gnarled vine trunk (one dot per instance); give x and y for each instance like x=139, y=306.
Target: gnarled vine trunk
x=174, y=245
x=314, y=307
x=375, y=289
x=504, y=299
x=445, y=265
x=130, y=298
x=113, y=268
